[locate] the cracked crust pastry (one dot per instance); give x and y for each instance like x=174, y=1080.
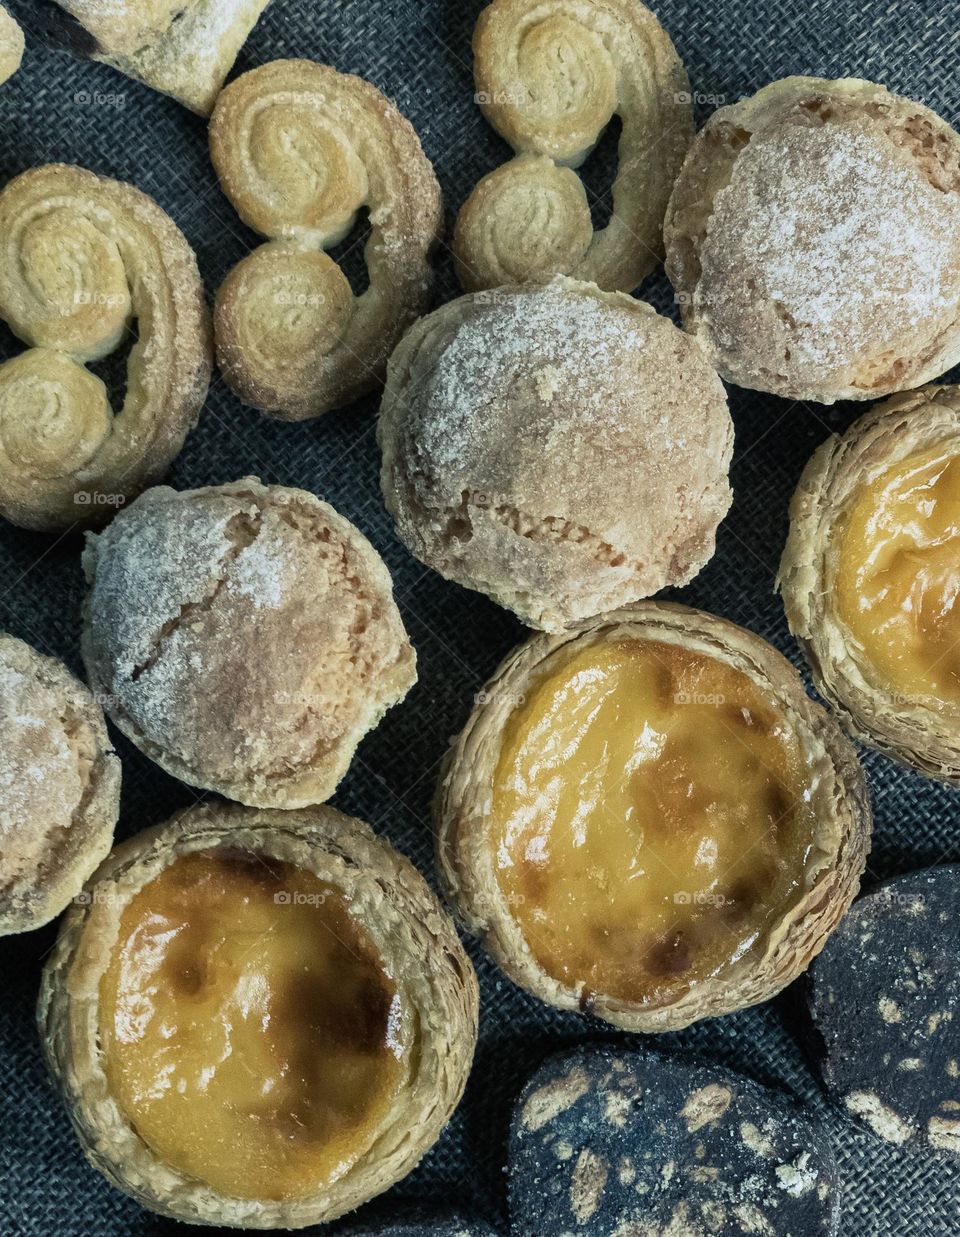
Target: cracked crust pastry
x=813, y=241
x=11, y=46
x=550, y=76
x=84, y=261
x=244, y=637
x=300, y=151
x=183, y=48
x=869, y=575
x=647, y=819
x=325, y=1016
x=561, y=449
x=59, y=787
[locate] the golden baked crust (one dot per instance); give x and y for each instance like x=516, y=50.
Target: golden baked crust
x=83, y=259
x=561, y=449
x=244, y=637
x=550, y=75
x=11, y=46
x=463, y=806
x=402, y=917
x=300, y=149
x=813, y=240
x=59, y=787
x=183, y=48
x=914, y=730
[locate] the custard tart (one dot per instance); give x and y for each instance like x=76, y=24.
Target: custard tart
x=870, y=576
x=647, y=819
x=257, y=1018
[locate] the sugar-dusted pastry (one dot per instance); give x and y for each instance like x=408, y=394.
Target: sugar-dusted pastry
x=83, y=262
x=258, y=1019
x=813, y=241
x=245, y=638
x=646, y=818
x=59, y=787
x=11, y=45
x=870, y=575
x=561, y=449
x=550, y=75
x=634, y=1144
x=300, y=150
x=183, y=48
x=884, y=997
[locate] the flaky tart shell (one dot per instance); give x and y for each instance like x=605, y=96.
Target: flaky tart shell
x=906, y=729
x=463, y=804
x=47, y=857
x=11, y=45
x=813, y=241
x=413, y=935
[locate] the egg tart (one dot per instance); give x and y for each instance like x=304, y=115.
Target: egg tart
x=870, y=576
x=256, y=1018
x=647, y=819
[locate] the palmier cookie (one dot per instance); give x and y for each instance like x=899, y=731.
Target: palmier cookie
x=550, y=75
x=244, y=637
x=561, y=449
x=813, y=241
x=300, y=149
x=83, y=261
x=11, y=45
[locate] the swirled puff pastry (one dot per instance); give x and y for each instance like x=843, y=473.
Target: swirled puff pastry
x=183, y=48
x=83, y=261
x=300, y=149
x=550, y=75
x=11, y=46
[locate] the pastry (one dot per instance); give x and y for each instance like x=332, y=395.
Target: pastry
x=300, y=150
x=11, y=46
x=606, y=1141
x=551, y=74
x=244, y=637
x=258, y=1019
x=869, y=576
x=183, y=48
x=59, y=787
x=813, y=241
x=561, y=449
x=884, y=996
x=83, y=261
x=647, y=819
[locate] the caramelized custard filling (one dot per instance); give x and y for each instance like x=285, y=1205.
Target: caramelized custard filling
x=249, y=1031
x=652, y=815
x=898, y=578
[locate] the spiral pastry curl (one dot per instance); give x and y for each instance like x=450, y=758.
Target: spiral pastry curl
x=550, y=75
x=11, y=45
x=300, y=149
x=84, y=260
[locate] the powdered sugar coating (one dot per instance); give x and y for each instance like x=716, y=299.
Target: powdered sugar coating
x=245, y=638
x=561, y=449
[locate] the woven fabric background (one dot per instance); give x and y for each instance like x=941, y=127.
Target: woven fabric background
x=419, y=53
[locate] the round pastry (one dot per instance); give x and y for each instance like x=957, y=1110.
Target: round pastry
x=647, y=819
x=870, y=574
x=83, y=261
x=259, y=1019
x=59, y=787
x=11, y=45
x=884, y=997
x=300, y=149
x=813, y=240
x=550, y=77
x=561, y=449
x=611, y=1142
x=244, y=637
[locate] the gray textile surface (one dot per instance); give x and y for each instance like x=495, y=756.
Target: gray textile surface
x=419, y=54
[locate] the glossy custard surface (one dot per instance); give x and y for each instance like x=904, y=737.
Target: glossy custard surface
x=651, y=818
x=898, y=578
x=249, y=1031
